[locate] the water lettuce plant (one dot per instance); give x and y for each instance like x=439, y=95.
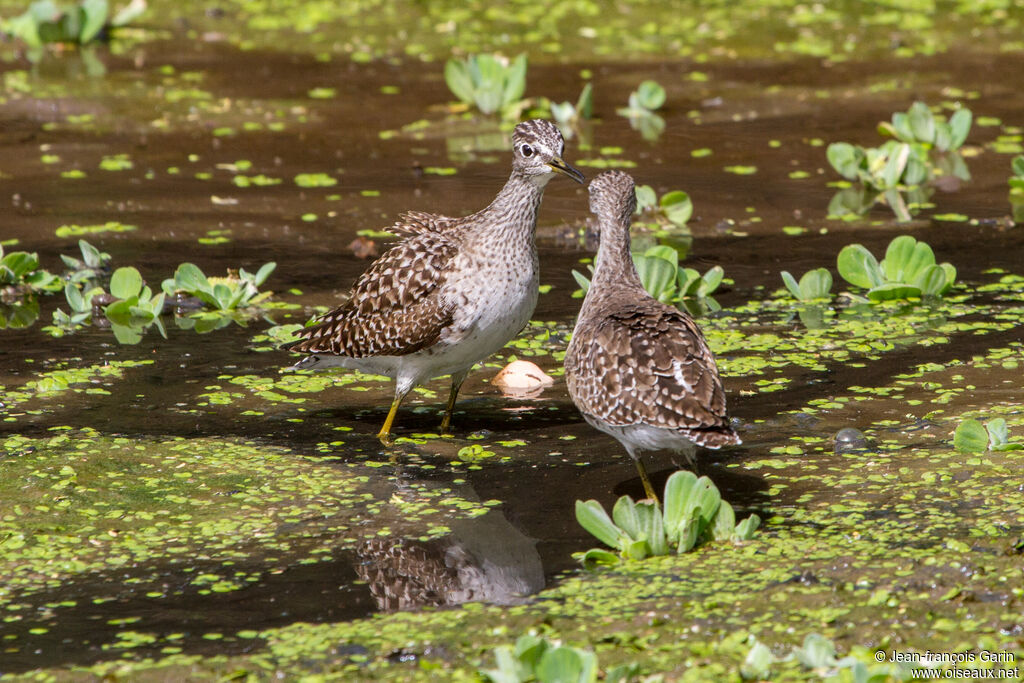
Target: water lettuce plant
x=817, y=653
x=694, y=512
x=646, y=99
x=663, y=278
x=674, y=208
x=92, y=264
x=135, y=307
x=220, y=293
x=903, y=164
x=81, y=303
x=534, y=658
x=569, y=115
x=46, y=21
x=129, y=308
x=815, y=284
x=1016, y=182
x=919, y=125
x=908, y=270
x=880, y=168
x=973, y=437
x=20, y=273
x=643, y=102
x=488, y=82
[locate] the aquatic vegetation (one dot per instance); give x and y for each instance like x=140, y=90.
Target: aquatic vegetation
x=1016, y=182
x=90, y=267
x=674, y=208
x=973, y=437
x=488, y=82
x=880, y=168
x=65, y=231
x=663, y=278
x=315, y=180
x=815, y=284
x=900, y=165
x=641, y=110
x=569, y=116
x=20, y=273
x=919, y=125
x=907, y=271
x=534, y=658
x=817, y=653
x=81, y=305
x=220, y=293
x=46, y=21
x=644, y=101
x=694, y=512
x=131, y=306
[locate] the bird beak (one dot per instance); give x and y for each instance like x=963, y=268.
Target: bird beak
x=560, y=166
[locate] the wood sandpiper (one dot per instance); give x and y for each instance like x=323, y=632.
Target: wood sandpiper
x=638, y=369
x=452, y=291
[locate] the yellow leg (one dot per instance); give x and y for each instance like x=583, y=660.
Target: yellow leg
x=385, y=432
x=446, y=421
x=648, y=487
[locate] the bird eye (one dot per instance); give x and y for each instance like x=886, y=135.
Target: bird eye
x=526, y=150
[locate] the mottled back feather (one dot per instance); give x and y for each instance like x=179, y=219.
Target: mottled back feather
x=641, y=362
x=395, y=307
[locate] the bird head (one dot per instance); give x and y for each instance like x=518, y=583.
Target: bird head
x=537, y=148
x=613, y=196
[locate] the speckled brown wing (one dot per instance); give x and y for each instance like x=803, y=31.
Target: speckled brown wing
x=648, y=363
x=413, y=223
x=395, y=307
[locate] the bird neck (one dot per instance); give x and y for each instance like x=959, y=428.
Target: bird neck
x=516, y=205
x=614, y=265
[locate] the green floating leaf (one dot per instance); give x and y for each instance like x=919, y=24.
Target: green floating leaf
x=624, y=514
x=922, y=122
x=598, y=557
x=817, y=652
x=758, y=662
x=657, y=275
x=970, y=437
x=567, y=665
x=592, y=517
x=650, y=95
x=677, y=207
x=646, y=198
x=125, y=283
x=94, y=14
x=456, y=76
x=998, y=434
x=859, y=267
x=893, y=292
x=906, y=258
x=1017, y=165
x=678, y=490
x=745, y=529
x=585, y=103
x=960, y=127
x=845, y=159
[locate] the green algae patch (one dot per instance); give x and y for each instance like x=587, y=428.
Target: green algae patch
x=80, y=505
x=874, y=556
x=66, y=231
x=91, y=379
x=771, y=336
